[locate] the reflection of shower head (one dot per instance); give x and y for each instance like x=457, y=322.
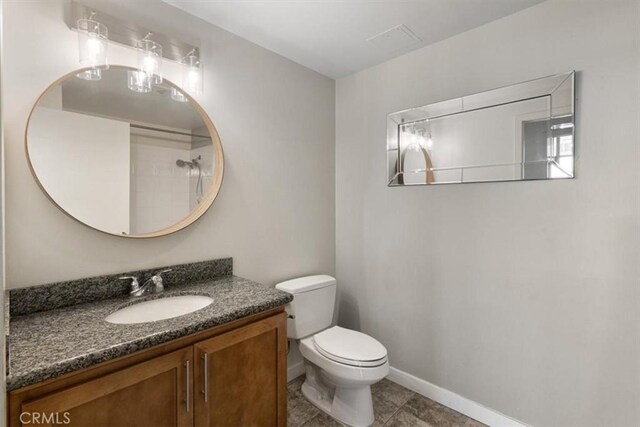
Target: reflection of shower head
x=181, y=163
x=192, y=164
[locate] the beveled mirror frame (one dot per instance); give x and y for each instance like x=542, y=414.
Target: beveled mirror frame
x=196, y=213
x=554, y=87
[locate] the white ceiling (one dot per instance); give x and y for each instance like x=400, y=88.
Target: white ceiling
x=330, y=36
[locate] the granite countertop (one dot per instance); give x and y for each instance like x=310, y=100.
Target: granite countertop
x=47, y=344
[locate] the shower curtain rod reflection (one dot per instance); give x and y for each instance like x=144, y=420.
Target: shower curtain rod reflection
x=174, y=132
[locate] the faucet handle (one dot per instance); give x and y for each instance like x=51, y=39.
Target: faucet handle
x=135, y=286
x=157, y=280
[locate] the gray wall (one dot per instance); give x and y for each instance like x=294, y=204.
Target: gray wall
x=520, y=296
x=275, y=212
x=2, y=250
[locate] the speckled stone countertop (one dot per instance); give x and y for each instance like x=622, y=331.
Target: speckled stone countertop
x=46, y=344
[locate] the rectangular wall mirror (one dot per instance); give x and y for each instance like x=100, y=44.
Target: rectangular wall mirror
x=520, y=132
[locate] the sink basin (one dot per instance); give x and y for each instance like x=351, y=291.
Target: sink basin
x=159, y=309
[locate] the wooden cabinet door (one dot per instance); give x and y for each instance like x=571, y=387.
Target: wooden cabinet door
x=240, y=376
x=154, y=393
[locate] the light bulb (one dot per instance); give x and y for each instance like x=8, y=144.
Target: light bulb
x=193, y=77
x=149, y=64
x=150, y=59
x=95, y=47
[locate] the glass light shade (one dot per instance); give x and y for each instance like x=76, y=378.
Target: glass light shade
x=429, y=142
x=178, y=96
x=192, y=76
x=138, y=81
x=93, y=40
x=414, y=147
x=92, y=74
x=150, y=60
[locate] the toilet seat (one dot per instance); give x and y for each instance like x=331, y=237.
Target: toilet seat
x=350, y=347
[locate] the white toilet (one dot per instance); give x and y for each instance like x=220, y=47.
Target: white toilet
x=340, y=364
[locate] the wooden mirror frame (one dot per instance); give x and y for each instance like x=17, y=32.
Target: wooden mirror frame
x=428, y=165
x=209, y=196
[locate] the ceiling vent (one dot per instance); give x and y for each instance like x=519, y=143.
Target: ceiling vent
x=394, y=39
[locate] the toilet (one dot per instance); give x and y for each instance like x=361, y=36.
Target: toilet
x=340, y=364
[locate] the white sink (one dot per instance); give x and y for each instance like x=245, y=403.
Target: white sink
x=159, y=309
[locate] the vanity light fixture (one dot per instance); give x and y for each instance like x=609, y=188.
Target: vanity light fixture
x=150, y=59
x=93, y=38
x=151, y=48
x=192, y=77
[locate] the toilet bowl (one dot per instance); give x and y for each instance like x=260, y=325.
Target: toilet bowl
x=340, y=364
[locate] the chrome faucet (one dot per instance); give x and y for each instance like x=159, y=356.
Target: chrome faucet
x=155, y=280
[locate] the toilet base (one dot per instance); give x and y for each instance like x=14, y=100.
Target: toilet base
x=352, y=406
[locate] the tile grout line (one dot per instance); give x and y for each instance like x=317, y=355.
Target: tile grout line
x=399, y=408
x=392, y=415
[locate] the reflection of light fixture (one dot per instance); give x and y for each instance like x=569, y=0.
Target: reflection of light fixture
x=176, y=95
x=429, y=138
x=192, y=73
x=90, y=74
x=93, y=40
x=419, y=138
x=429, y=141
x=138, y=81
x=150, y=59
x=561, y=126
x=411, y=134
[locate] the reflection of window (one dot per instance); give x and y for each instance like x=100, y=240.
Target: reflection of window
x=560, y=156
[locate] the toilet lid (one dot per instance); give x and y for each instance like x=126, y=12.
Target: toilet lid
x=350, y=347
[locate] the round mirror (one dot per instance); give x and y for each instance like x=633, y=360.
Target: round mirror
x=123, y=156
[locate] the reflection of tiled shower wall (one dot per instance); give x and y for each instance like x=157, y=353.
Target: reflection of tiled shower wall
x=160, y=193
x=200, y=147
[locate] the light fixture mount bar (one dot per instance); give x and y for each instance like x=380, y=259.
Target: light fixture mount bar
x=129, y=33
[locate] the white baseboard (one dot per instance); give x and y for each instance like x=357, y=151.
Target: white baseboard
x=295, y=370
x=452, y=400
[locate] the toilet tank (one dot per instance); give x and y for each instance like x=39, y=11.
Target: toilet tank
x=311, y=310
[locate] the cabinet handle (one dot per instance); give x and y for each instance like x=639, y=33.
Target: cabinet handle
x=205, y=382
x=186, y=385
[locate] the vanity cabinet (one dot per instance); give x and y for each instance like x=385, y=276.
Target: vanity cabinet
x=230, y=375
x=236, y=377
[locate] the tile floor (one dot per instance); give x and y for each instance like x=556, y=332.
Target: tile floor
x=393, y=406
